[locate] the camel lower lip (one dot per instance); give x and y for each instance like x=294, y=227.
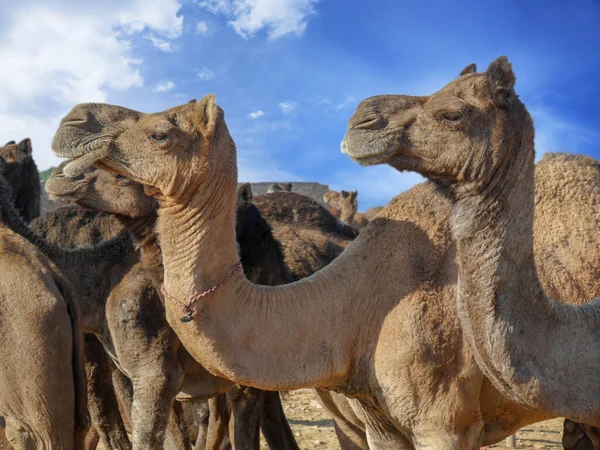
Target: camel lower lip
x=78, y=165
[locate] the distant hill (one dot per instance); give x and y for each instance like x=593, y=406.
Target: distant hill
x=45, y=174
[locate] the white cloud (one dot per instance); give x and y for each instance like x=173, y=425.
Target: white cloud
x=256, y=114
x=202, y=28
x=56, y=57
x=278, y=17
x=161, y=44
x=287, y=107
x=164, y=86
x=206, y=74
x=349, y=100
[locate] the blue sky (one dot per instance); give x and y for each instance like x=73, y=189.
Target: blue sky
x=289, y=73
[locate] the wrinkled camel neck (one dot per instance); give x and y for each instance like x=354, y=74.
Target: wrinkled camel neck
x=277, y=338
x=539, y=353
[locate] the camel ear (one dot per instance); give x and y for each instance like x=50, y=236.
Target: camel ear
x=471, y=68
x=25, y=147
x=244, y=192
x=10, y=143
x=345, y=194
x=206, y=115
x=501, y=81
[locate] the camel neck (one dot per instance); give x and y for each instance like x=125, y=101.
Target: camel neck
x=254, y=335
x=529, y=346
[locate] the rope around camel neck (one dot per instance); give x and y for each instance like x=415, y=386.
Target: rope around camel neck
x=186, y=307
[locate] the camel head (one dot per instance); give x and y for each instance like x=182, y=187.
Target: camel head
x=345, y=202
x=452, y=136
x=101, y=191
x=15, y=158
x=174, y=153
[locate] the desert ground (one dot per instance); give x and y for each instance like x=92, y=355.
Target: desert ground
x=313, y=427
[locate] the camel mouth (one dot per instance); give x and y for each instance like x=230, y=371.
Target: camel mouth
x=368, y=155
x=64, y=189
x=78, y=165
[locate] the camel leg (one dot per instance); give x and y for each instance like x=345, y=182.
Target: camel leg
x=91, y=439
x=217, y=435
x=203, y=422
x=178, y=436
x=153, y=397
x=274, y=425
x=102, y=401
x=349, y=429
x=124, y=392
x=245, y=404
x=577, y=436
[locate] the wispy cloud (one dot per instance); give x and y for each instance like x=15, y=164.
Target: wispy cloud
x=556, y=134
x=206, y=74
x=256, y=114
x=161, y=44
x=279, y=18
x=202, y=28
x=287, y=107
x=164, y=86
x=349, y=100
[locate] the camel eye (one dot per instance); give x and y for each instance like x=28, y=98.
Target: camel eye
x=451, y=117
x=159, y=136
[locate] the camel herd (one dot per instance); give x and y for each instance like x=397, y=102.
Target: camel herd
x=167, y=307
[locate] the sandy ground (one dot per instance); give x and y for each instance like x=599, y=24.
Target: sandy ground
x=313, y=427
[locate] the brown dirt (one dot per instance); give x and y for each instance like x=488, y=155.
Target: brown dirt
x=313, y=427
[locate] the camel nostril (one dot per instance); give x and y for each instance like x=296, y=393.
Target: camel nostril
x=369, y=123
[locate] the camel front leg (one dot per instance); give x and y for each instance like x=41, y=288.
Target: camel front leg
x=245, y=404
x=274, y=425
x=178, y=434
x=153, y=397
x=102, y=401
x=217, y=435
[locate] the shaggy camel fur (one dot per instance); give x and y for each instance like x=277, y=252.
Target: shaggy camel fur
x=106, y=192
x=395, y=388
x=21, y=173
x=72, y=226
x=42, y=394
x=475, y=139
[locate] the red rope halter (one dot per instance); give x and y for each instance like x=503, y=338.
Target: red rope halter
x=186, y=307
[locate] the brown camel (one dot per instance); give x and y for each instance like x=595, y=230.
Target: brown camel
x=475, y=140
x=278, y=187
x=21, y=173
x=42, y=393
x=311, y=238
x=113, y=194
x=343, y=205
x=411, y=376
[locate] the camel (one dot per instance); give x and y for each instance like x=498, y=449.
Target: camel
x=345, y=206
x=126, y=200
x=42, y=393
x=277, y=187
x=474, y=139
x=21, y=173
x=410, y=377
x=309, y=236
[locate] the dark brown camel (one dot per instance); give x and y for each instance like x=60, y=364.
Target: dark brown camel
x=22, y=175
